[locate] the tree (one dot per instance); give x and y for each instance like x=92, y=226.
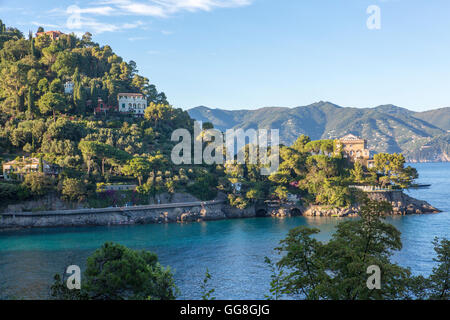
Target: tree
x=206, y=292
x=87, y=39
x=106, y=152
x=65, y=64
x=43, y=86
x=357, y=172
x=73, y=190
x=138, y=168
x=336, y=270
x=52, y=102
x=392, y=167
x=204, y=187
x=436, y=286
x=38, y=183
x=2, y=27
x=115, y=272
x=88, y=150
x=30, y=103
x=156, y=112
x=101, y=151
x=281, y=193
x=79, y=94
x=13, y=84
x=41, y=165
x=49, y=53
x=32, y=47
x=56, y=86
x=439, y=280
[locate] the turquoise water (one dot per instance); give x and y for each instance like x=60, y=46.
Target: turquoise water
x=232, y=250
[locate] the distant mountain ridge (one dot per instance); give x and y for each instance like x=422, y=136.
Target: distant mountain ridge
x=421, y=136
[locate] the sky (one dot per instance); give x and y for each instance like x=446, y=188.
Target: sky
x=246, y=54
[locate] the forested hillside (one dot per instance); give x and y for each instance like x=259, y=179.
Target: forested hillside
x=40, y=120
x=79, y=154
x=387, y=128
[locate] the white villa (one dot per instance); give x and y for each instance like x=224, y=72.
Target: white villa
x=132, y=103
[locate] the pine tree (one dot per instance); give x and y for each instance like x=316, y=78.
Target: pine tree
x=79, y=96
x=41, y=165
x=30, y=103
x=32, y=47
x=93, y=92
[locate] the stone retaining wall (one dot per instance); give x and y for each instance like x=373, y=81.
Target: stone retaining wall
x=192, y=212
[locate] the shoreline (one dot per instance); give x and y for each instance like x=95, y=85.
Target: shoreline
x=198, y=211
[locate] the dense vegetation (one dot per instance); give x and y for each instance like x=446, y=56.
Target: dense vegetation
x=38, y=119
x=316, y=173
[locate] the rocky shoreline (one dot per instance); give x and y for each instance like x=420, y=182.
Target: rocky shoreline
x=402, y=204
x=196, y=211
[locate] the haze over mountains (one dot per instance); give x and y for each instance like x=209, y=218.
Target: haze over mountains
x=421, y=136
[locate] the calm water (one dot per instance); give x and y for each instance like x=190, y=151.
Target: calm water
x=232, y=250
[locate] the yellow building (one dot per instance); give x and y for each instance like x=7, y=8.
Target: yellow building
x=355, y=149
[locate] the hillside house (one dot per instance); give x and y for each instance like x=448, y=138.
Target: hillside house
x=17, y=169
x=134, y=103
x=102, y=187
x=54, y=35
x=68, y=87
x=103, y=107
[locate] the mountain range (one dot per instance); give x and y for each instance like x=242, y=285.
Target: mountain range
x=420, y=136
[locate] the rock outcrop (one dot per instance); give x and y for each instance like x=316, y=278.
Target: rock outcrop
x=402, y=204
x=327, y=211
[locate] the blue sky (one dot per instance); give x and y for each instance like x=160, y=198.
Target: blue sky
x=239, y=54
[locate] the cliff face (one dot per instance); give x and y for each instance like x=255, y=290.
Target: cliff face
x=437, y=150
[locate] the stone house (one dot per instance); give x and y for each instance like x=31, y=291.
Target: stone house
x=355, y=149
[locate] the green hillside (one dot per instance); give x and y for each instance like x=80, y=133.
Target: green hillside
x=387, y=128
x=439, y=117
x=41, y=120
